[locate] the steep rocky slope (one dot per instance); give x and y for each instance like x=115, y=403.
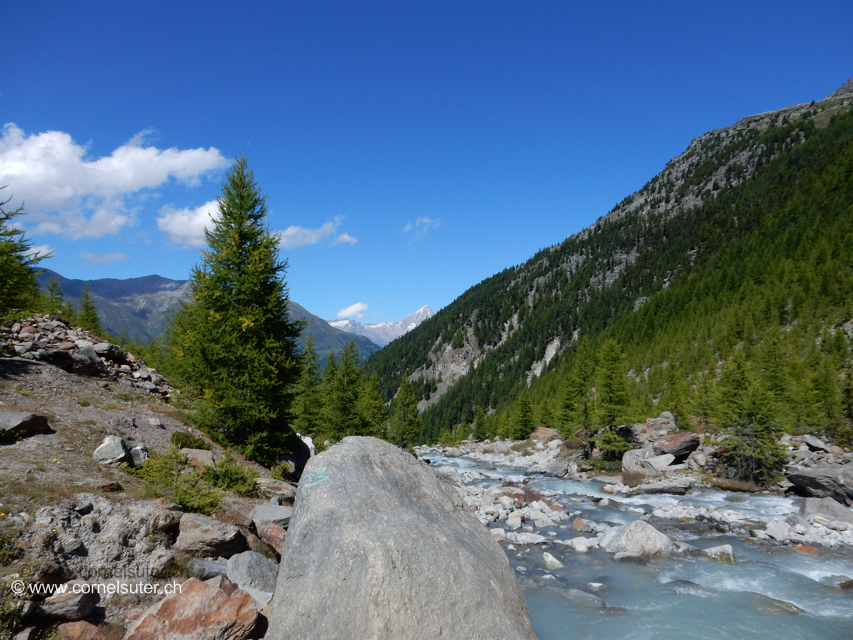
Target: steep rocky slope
x=498, y=336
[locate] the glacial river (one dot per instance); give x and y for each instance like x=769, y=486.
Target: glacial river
x=771, y=593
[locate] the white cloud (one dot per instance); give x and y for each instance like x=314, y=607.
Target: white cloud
x=69, y=195
x=422, y=226
x=295, y=236
x=353, y=311
x=345, y=237
x=186, y=226
x=103, y=258
x=42, y=249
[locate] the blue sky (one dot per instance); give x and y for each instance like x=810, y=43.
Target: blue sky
x=409, y=150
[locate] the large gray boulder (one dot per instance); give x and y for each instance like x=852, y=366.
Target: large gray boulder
x=20, y=424
x=826, y=508
x=380, y=547
x=828, y=481
x=636, y=540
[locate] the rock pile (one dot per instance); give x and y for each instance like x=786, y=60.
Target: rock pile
x=51, y=339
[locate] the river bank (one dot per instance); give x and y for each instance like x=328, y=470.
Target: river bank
x=738, y=567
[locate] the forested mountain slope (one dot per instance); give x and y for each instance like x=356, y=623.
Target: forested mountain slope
x=743, y=242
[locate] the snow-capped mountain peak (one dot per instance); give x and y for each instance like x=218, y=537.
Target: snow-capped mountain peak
x=382, y=333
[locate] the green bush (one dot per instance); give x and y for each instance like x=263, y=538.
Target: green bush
x=168, y=476
x=8, y=549
x=283, y=471
x=232, y=476
x=183, y=440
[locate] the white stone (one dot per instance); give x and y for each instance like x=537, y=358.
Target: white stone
x=551, y=562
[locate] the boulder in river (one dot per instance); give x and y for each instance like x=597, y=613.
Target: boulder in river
x=636, y=540
x=826, y=508
x=827, y=481
x=380, y=547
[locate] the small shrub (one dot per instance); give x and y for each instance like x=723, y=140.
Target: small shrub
x=83, y=402
x=8, y=549
x=183, y=440
x=167, y=476
x=283, y=471
x=230, y=475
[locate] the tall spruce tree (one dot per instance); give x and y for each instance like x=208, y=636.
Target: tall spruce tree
x=612, y=391
x=18, y=286
x=745, y=409
x=234, y=344
x=308, y=403
x=343, y=382
x=523, y=418
x=88, y=315
x=371, y=408
x=577, y=408
x=405, y=424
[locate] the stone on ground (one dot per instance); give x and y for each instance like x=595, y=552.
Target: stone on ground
x=380, y=547
x=70, y=605
x=20, y=424
x=199, y=612
x=254, y=574
x=206, y=536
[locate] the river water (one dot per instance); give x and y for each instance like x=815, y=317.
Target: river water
x=770, y=593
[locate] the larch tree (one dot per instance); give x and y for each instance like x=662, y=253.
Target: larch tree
x=234, y=344
x=19, y=289
x=308, y=402
x=88, y=314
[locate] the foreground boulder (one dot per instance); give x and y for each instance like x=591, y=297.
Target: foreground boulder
x=636, y=540
x=828, y=481
x=200, y=611
x=380, y=547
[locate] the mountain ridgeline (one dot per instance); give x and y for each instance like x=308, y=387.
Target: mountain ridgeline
x=741, y=247
x=139, y=308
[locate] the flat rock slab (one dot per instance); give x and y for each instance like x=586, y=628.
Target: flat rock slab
x=15, y=425
x=380, y=547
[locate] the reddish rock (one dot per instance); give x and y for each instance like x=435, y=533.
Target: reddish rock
x=272, y=534
x=232, y=517
x=80, y=630
x=28, y=330
x=66, y=346
x=680, y=445
x=199, y=612
x=110, y=487
x=578, y=525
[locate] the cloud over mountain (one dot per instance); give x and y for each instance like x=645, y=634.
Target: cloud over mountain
x=70, y=195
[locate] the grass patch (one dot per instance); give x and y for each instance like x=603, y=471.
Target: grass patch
x=24, y=392
x=731, y=484
x=167, y=475
x=9, y=551
x=109, y=405
x=83, y=402
x=232, y=476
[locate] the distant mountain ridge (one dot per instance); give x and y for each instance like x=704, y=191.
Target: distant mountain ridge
x=384, y=332
x=140, y=307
